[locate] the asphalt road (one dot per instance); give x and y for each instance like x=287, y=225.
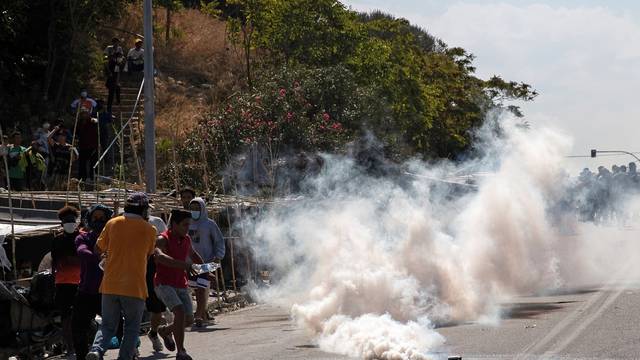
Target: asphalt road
x=260, y=332
x=582, y=324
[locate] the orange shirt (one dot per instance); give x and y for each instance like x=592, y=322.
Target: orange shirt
x=128, y=242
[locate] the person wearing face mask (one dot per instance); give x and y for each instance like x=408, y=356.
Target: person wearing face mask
x=209, y=243
x=127, y=242
x=66, y=269
x=88, y=299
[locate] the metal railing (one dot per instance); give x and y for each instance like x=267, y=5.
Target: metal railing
x=122, y=128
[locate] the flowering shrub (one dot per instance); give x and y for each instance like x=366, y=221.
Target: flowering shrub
x=289, y=110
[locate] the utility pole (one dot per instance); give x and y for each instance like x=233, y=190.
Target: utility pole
x=149, y=110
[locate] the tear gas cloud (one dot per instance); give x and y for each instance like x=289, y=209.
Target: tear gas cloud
x=371, y=265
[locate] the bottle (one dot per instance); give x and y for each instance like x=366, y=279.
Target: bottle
x=205, y=268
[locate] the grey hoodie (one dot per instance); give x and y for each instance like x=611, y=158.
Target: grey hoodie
x=206, y=238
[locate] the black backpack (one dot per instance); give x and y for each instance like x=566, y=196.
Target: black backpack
x=42, y=292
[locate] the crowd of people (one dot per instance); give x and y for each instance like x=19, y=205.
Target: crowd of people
x=121, y=266
x=601, y=196
x=45, y=162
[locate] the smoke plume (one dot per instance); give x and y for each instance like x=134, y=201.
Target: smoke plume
x=371, y=265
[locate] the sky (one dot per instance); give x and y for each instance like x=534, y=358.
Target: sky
x=583, y=57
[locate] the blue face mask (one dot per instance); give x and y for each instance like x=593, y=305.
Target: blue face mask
x=195, y=215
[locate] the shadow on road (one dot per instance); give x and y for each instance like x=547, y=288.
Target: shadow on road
x=158, y=356
x=532, y=310
x=208, y=330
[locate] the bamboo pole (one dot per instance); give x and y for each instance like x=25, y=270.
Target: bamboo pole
x=176, y=177
x=231, y=238
x=73, y=140
x=205, y=166
x=218, y=291
x=96, y=171
x=132, y=140
x=122, y=188
x=13, y=232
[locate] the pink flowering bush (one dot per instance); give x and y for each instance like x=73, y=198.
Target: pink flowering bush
x=291, y=110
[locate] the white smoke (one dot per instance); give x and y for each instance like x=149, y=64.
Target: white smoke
x=371, y=265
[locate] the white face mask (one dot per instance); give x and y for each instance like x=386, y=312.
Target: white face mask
x=83, y=94
x=195, y=215
x=69, y=228
x=46, y=126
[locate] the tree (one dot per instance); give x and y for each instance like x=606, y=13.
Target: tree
x=170, y=6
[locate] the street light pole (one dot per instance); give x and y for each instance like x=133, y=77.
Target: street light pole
x=595, y=152
x=149, y=110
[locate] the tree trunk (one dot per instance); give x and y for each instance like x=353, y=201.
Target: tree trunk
x=247, y=53
x=62, y=80
x=51, y=51
x=65, y=70
x=167, y=34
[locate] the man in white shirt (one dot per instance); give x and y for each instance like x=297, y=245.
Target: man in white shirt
x=135, y=58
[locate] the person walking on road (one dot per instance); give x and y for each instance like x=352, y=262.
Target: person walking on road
x=207, y=241
x=126, y=242
x=88, y=300
x=172, y=255
x=66, y=269
x=154, y=306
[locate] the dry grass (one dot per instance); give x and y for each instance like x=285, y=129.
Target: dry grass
x=198, y=67
x=176, y=113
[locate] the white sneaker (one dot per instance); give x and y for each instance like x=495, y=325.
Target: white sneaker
x=156, y=343
x=93, y=356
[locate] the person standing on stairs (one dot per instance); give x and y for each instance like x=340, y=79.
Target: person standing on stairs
x=87, y=134
x=135, y=58
x=105, y=123
x=114, y=49
x=87, y=105
x=113, y=70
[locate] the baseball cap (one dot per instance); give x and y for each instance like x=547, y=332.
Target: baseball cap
x=138, y=199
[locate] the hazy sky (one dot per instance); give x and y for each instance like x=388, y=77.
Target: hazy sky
x=582, y=56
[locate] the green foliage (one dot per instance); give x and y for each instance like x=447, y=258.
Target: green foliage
x=291, y=108
x=320, y=76
x=49, y=53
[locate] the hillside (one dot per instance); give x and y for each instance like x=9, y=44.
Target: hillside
x=291, y=76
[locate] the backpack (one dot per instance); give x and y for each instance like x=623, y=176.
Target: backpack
x=42, y=291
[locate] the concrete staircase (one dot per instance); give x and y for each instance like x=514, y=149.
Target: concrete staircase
x=129, y=87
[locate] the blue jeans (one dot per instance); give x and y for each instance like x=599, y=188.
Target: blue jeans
x=114, y=306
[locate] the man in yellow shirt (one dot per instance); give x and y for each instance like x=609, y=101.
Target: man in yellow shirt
x=126, y=243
